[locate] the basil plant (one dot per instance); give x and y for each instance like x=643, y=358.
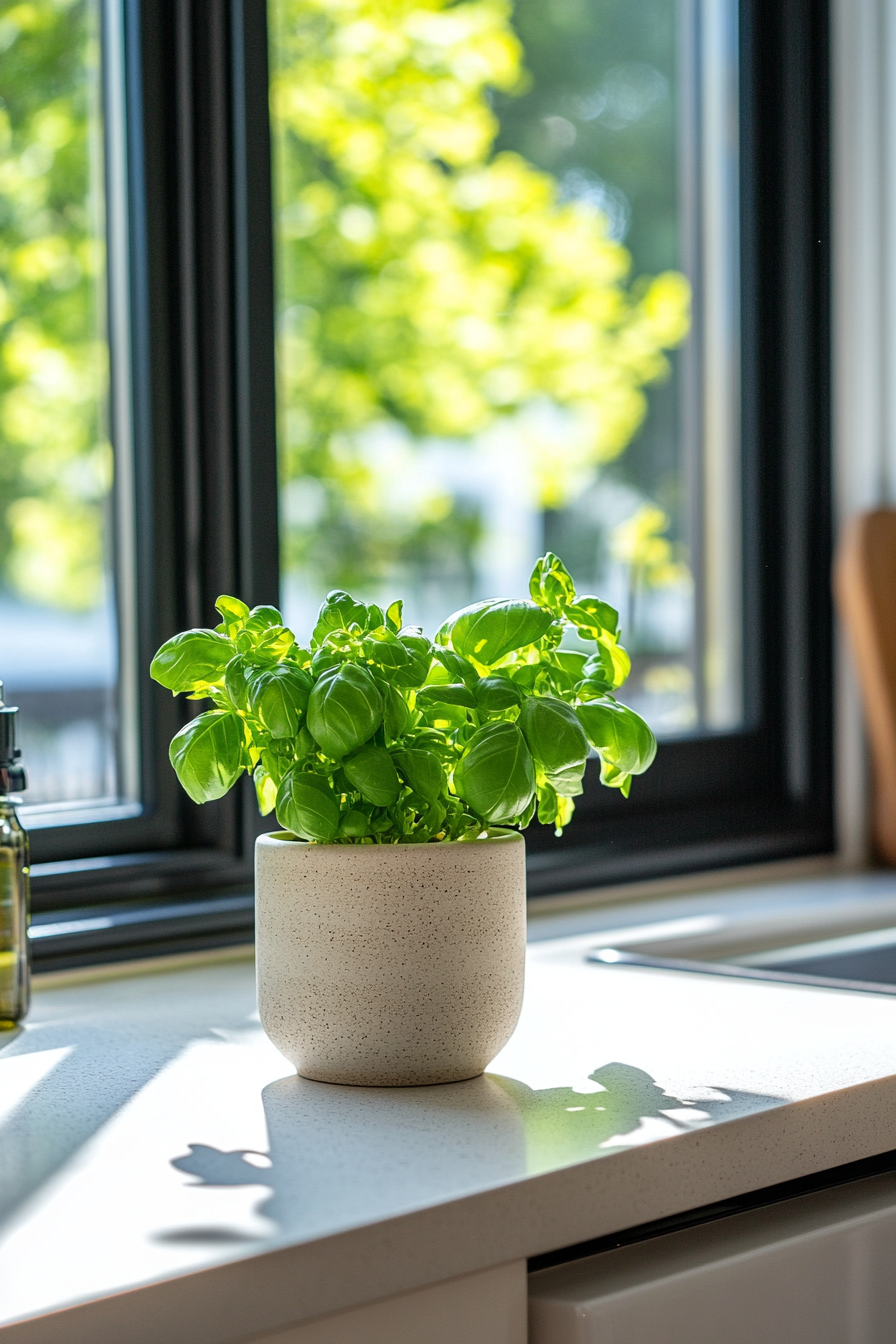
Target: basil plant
x=374, y=734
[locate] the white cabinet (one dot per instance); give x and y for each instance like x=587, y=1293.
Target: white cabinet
x=484, y=1308
x=819, y=1269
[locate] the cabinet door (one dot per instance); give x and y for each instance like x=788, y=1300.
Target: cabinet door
x=812, y=1270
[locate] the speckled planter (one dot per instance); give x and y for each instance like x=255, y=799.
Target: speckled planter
x=390, y=965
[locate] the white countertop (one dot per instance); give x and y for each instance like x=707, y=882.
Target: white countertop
x=153, y=1140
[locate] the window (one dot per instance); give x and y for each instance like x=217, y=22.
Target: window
x=66, y=520
x=174, y=396
x=394, y=303
x=487, y=220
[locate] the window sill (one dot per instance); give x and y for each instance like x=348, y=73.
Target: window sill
x=133, y=906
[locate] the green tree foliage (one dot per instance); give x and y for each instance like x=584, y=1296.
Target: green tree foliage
x=55, y=461
x=609, y=69
x=430, y=283
x=427, y=282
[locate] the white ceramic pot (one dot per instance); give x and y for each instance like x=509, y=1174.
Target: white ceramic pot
x=390, y=965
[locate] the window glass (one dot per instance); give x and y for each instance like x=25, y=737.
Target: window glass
x=507, y=316
x=58, y=628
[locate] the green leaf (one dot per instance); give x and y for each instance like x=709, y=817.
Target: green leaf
x=208, y=754
x=432, y=819
x=263, y=632
x=551, y=584
x=554, y=735
x=307, y=806
x=526, y=675
x=305, y=744
x=355, y=825
x=236, y=680
x=301, y=657
x=571, y=665
x=547, y=804
x=615, y=779
x=494, y=694
x=422, y=771
x=279, y=755
x=372, y=772
x=607, y=669
x=276, y=642
x=525, y=817
x=446, y=718
x=595, y=688
x=433, y=740
x=619, y=658
x=192, y=661
x=565, y=808
x=344, y=710
x=393, y=616
x=554, y=809
x=419, y=650
x=234, y=613
x=279, y=697
x=397, y=715
x=452, y=694
x=340, y=612
x=457, y=668
x=496, y=776
x=568, y=783
x=262, y=619
x=265, y=791
x=325, y=660
x=592, y=617
x=386, y=649
x=620, y=736
x=488, y=631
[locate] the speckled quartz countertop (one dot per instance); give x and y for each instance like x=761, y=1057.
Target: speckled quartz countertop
x=152, y=1140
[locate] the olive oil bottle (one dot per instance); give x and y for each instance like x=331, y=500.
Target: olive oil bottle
x=14, y=879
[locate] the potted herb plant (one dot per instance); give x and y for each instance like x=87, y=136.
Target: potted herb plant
x=390, y=907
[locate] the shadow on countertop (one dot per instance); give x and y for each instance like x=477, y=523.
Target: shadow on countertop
x=430, y=1142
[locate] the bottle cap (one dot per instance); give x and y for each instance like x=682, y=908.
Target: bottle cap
x=12, y=776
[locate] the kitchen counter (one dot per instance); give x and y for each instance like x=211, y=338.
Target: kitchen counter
x=165, y=1175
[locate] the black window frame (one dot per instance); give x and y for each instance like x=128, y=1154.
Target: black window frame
x=202, y=297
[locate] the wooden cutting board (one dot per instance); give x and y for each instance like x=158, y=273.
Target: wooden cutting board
x=865, y=590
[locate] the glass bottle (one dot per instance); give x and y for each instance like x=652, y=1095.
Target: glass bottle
x=15, y=987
